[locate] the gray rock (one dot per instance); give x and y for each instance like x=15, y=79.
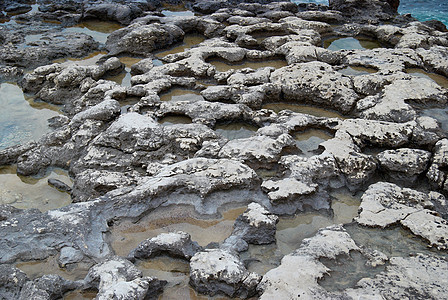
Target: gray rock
x=298, y=273
x=69, y=255
x=255, y=226
x=47, y=287
x=436, y=173
x=257, y=148
x=205, y=112
x=364, y=12
x=421, y=276
x=12, y=281
x=57, y=184
x=10, y=155
x=117, y=278
x=385, y=61
x=434, y=58
x=140, y=39
x=316, y=82
x=392, y=104
x=287, y=189
x=430, y=226
x=404, y=163
x=217, y=271
x=142, y=67
x=90, y=184
x=121, y=13
x=384, y=204
x=52, y=46
x=176, y=244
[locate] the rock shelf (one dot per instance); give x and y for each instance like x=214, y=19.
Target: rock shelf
x=171, y=118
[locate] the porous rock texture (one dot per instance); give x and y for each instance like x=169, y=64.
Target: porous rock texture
x=130, y=152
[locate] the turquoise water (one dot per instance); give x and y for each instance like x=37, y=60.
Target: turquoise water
x=423, y=10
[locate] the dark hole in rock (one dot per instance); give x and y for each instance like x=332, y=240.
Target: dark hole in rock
x=103, y=189
x=172, y=119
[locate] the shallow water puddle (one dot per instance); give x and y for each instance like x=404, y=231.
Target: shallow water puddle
x=189, y=41
x=394, y=241
x=21, y=120
x=181, y=94
x=439, y=79
x=29, y=192
x=126, y=235
x=292, y=230
x=440, y=114
x=89, y=60
x=157, y=62
x=127, y=103
x=350, y=43
x=260, y=36
x=124, y=78
x=173, y=120
x=303, y=109
x=357, y=71
x=223, y=65
x=309, y=140
x=35, y=269
x=176, y=10
x=80, y=295
x=99, y=30
x=347, y=271
x=233, y=131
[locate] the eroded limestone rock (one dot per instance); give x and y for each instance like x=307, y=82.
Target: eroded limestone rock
x=119, y=278
x=384, y=204
x=216, y=271
x=176, y=244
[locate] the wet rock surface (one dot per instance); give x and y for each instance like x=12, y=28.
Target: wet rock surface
x=130, y=150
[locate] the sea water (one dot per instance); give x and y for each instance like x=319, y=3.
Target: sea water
x=423, y=10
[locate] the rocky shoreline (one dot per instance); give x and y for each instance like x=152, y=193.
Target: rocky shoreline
x=376, y=136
